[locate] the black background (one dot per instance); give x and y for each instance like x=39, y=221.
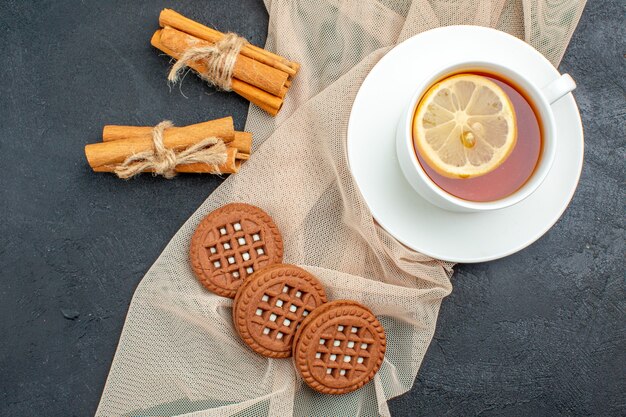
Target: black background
x=541, y=332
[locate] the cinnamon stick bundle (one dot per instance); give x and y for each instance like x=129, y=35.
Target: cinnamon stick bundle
x=120, y=142
x=258, y=75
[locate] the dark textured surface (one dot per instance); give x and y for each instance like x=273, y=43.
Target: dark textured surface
x=541, y=332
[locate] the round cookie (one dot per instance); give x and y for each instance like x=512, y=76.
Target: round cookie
x=270, y=305
x=340, y=347
x=230, y=244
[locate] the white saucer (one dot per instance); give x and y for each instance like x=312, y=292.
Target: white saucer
x=456, y=237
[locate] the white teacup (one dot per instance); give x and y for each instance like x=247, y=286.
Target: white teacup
x=541, y=96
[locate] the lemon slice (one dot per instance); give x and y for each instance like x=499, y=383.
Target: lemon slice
x=465, y=126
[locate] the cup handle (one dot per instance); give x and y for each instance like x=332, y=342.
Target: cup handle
x=558, y=88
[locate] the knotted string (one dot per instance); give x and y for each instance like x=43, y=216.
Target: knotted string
x=163, y=161
x=219, y=59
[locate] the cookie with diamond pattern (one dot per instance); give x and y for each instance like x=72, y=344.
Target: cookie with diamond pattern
x=270, y=305
x=230, y=244
x=340, y=347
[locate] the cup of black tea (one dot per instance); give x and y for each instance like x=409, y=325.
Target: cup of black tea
x=478, y=136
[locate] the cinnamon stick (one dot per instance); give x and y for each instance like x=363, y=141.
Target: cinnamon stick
x=231, y=166
x=114, y=152
x=242, y=141
x=119, y=132
x=176, y=47
x=171, y=18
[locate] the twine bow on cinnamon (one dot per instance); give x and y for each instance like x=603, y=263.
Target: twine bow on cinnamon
x=219, y=59
x=163, y=161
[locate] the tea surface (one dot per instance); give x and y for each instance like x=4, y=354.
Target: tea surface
x=515, y=171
